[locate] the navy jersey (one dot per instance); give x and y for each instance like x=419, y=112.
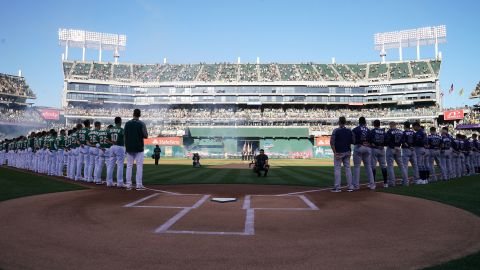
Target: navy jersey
x=377, y=137
x=460, y=144
x=467, y=145
x=475, y=145
x=434, y=141
x=394, y=138
x=447, y=142
x=408, y=138
x=341, y=139
x=360, y=135
x=419, y=139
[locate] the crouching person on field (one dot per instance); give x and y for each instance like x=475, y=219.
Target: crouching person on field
x=341, y=141
x=196, y=160
x=261, y=164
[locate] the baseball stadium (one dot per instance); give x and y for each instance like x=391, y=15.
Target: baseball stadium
x=240, y=164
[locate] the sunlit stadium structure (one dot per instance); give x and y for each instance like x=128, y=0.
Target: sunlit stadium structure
x=16, y=116
x=221, y=108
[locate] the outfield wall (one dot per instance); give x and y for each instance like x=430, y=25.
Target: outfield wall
x=219, y=142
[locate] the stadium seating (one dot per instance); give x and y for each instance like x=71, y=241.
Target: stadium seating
x=81, y=69
x=326, y=72
x=378, y=72
x=399, y=71
x=146, y=73
x=345, y=72
x=189, y=72
x=308, y=73
x=269, y=73
x=208, y=73
x=435, y=66
x=101, y=71
x=476, y=92
x=227, y=72
x=248, y=73
x=420, y=68
x=15, y=86
x=67, y=66
x=122, y=72
x=359, y=70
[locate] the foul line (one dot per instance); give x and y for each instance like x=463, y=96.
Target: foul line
x=141, y=200
x=180, y=214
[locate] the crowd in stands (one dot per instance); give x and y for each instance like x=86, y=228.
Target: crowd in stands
x=255, y=113
x=476, y=91
x=228, y=72
x=13, y=85
x=29, y=116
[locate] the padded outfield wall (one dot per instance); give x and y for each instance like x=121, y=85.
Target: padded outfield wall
x=230, y=142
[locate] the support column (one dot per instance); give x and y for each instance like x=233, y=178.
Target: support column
x=100, y=53
x=83, y=54
x=418, y=50
x=400, y=53
x=436, y=46
x=66, y=51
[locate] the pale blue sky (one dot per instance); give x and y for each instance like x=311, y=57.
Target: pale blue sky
x=218, y=31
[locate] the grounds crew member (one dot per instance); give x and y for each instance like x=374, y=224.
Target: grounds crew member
x=117, y=152
x=135, y=133
x=377, y=145
x=84, y=153
x=446, y=156
x=156, y=154
x=362, y=153
x=261, y=164
x=394, y=154
x=341, y=141
x=419, y=142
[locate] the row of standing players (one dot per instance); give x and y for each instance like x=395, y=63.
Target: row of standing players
x=456, y=157
x=80, y=154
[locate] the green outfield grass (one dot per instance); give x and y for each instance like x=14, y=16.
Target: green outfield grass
x=15, y=184
x=308, y=172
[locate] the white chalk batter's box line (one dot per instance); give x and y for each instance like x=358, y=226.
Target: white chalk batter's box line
x=249, y=227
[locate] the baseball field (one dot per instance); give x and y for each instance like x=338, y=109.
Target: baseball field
x=287, y=220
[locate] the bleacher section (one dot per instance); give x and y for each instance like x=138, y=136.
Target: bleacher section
x=231, y=73
x=399, y=71
x=378, y=72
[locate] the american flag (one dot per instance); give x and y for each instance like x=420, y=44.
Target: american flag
x=451, y=89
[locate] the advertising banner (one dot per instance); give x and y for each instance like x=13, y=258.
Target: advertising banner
x=170, y=141
x=453, y=115
x=49, y=114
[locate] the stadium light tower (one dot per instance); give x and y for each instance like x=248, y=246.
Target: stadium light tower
x=74, y=38
x=432, y=35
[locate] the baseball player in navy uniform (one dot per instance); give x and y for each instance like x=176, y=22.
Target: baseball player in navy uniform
x=458, y=157
x=435, y=145
x=377, y=144
x=394, y=140
x=362, y=153
x=408, y=151
x=446, y=155
x=468, y=156
x=475, y=153
x=419, y=142
x=341, y=141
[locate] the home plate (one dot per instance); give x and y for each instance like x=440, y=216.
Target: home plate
x=224, y=200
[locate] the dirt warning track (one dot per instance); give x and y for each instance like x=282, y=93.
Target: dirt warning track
x=117, y=229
